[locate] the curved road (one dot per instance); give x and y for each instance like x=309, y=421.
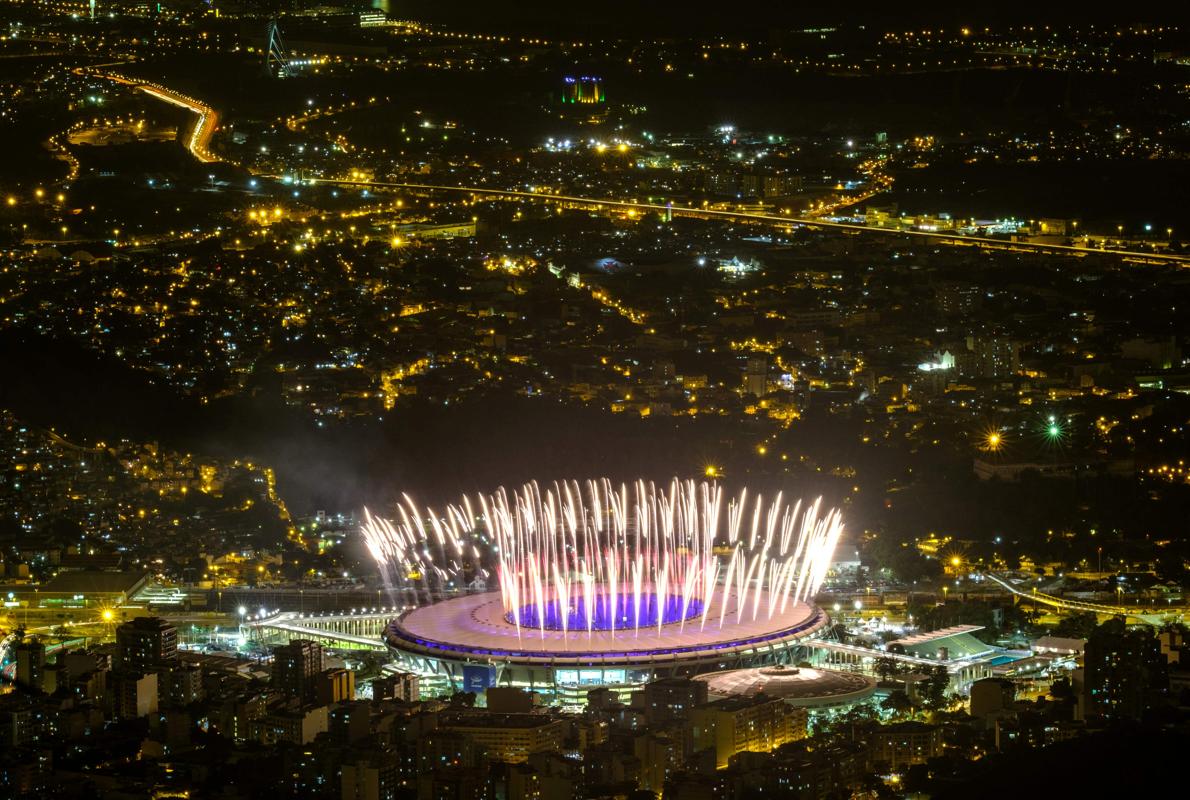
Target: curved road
x=208, y=120
x=204, y=126
x=1152, y=616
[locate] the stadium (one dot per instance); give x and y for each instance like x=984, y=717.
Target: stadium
x=602, y=585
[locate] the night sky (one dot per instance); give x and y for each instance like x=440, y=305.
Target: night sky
x=626, y=18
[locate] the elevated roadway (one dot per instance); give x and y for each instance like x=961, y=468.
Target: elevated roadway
x=199, y=140
x=1149, y=616
x=355, y=630
x=777, y=220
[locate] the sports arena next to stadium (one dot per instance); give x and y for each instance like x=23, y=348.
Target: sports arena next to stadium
x=602, y=585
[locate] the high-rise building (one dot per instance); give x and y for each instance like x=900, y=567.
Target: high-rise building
x=181, y=685
x=371, y=775
x=508, y=737
x=30, y=658
x=905, y=743
x=770, y=184
x=955, y=298
x=660, y=757
x=994, y=356
x=294, y=725
x=722, y=182
x=397, y=686
x=132, y=694
x=672, y=699
x=990, y=696
x=756, y=376
x=1124, y=672
x=348, y=722
x=737, y=724
x=447, y=748
x=144, y=643
x=297, y=667
x=335, y=686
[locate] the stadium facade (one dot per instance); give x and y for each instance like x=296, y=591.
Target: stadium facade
x=470, y=643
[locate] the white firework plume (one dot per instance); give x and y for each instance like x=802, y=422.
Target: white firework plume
x=597, y=556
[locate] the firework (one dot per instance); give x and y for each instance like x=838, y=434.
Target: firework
x=596, y=556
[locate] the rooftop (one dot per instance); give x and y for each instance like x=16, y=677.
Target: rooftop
x=957, y=640
x=803, y=686
x=487, y=719
x=932, y=636
x=92, y=582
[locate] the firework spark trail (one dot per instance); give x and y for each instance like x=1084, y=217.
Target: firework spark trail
x=596, y=556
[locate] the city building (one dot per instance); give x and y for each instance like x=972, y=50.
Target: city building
x=738, y=724
x=1124, y=672
x=671, y=699
x=132, y=695
x=371, y=775
x=297, y=667
x=511, y=738
x=902, y=744
x=30, y=664
x=396, y=686
x=145, y=643
x=991, y=696
x=295, y=725
x=994, y=357
x=334, y=686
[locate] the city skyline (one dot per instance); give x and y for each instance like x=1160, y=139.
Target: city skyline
x=527, y=401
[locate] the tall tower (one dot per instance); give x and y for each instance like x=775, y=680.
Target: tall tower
x=276, y=59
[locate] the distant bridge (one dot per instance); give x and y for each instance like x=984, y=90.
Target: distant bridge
x=1148, y=616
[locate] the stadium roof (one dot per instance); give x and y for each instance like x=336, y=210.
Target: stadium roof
x=957, y=640
x=90, y=582
x=931, y=636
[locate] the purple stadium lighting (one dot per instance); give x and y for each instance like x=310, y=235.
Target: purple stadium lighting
x=576, y=559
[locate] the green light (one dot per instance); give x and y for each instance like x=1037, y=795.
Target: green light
x=1054, y=431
